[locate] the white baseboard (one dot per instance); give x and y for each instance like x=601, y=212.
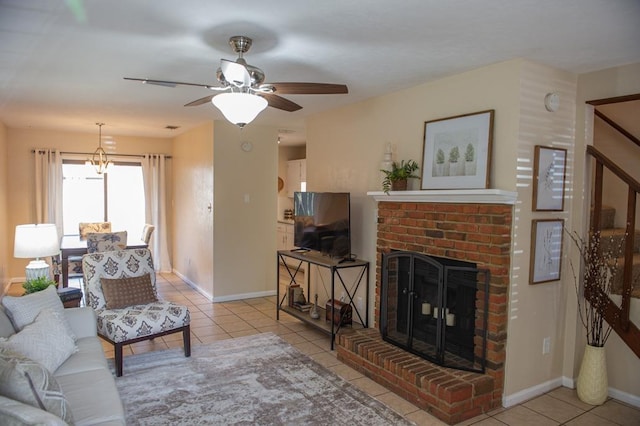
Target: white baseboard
x=567, y=382
x=244, y=296
x=625, y=397
x=530, y=393
x=193, y=286
x=229, y=298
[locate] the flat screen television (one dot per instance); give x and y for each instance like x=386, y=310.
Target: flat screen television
x=322, y=222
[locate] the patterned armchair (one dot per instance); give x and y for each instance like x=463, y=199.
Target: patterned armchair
x=143, y=316
x=106, y=241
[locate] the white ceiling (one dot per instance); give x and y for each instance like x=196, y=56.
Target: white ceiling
x=59, y=70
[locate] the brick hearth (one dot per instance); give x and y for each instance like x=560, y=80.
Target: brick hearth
x=478, y=233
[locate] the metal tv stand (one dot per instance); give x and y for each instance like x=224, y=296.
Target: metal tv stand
x=335, y=266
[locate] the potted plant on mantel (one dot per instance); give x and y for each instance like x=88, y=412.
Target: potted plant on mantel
x=396, y=178
x=600, y=263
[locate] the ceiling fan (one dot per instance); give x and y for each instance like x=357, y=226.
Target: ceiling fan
x=243, y=94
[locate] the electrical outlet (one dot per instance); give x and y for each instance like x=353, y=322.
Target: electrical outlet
x=546, y=345
x=360, y=304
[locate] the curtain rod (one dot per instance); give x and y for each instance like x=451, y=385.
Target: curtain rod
x=91, y=153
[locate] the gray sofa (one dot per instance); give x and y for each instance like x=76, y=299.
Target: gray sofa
x=85, y=379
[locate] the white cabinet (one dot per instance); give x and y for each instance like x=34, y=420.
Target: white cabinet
x=296, y=176
x=285, y=236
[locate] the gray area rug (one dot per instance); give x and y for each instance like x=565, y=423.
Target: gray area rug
x=253, y=380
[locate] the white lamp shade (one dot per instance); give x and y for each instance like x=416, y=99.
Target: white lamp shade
x=33, y=241
x=239, y=108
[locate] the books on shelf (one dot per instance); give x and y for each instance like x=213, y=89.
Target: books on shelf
x=304, y=307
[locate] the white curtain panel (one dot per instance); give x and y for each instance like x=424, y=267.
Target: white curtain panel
x=48, y=187
x=154, y=175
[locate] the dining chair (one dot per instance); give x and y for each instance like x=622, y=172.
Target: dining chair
x=84, y=228
x=106, y=241
x=121, y=288
x=147, y=230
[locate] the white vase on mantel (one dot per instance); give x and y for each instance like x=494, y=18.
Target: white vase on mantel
x=592, y=386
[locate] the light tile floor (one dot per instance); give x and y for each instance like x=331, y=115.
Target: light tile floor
x=218, y=321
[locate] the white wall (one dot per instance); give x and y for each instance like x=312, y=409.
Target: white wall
x=6, y=245
x=537, y=311
x=245, y=204
x=192, y=195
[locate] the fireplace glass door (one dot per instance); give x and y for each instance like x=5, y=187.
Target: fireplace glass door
x=435, y=308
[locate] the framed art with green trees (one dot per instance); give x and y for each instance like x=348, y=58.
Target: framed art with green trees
x=457, y=151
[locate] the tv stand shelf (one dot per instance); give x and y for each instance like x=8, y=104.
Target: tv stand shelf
x=335, y=266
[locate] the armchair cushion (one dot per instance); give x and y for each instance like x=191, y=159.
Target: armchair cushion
x=27, y=381
x=120, y=325
x=122, y=292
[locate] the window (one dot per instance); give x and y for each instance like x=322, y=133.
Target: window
x=116, y=197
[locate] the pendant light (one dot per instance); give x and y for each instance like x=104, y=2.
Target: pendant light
x=99, y=161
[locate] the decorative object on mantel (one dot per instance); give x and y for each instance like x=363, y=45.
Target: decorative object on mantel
x=387, y=157
x=99, y=160
x=396, y=178
x=457, y=151
x=600, y=263
x=549, y=166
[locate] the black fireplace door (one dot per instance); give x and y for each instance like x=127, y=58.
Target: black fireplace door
x=411, y=287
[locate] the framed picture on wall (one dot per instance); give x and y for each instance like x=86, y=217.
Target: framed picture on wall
x=549, y=170
x=457, y=151
x=546, y=250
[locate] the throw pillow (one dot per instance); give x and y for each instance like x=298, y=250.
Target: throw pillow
x=23, y=310
x=45, y=341
x=122, y=292
x=29, y=382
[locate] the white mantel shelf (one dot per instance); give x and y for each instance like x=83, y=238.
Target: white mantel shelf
x=469, y=196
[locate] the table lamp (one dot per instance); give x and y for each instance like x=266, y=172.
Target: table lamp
x=36, y=241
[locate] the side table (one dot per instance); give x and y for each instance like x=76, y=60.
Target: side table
x=70, y=297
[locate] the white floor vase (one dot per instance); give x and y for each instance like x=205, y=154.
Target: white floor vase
x=592, y=380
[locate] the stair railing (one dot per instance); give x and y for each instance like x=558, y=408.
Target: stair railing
x=617, y=317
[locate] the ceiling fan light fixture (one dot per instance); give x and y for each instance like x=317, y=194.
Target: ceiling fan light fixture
x=239, y=108
x=100, y=161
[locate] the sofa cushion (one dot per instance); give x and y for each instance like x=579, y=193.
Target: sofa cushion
x=6, y=327
x=93, y=397
x=16, y=413
x=24, y=309
x=46, y=340
x=122, y=292
x=29, y=382
x=90, y=356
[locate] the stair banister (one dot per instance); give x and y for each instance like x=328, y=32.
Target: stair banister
x=617, y=317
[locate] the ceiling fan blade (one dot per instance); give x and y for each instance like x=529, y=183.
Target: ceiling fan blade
x=235, y=73
x=171, y=83
x=279, y=102
x=309, y=88
x=201, y=101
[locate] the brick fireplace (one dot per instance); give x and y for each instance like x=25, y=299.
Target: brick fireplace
x=477, y=232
